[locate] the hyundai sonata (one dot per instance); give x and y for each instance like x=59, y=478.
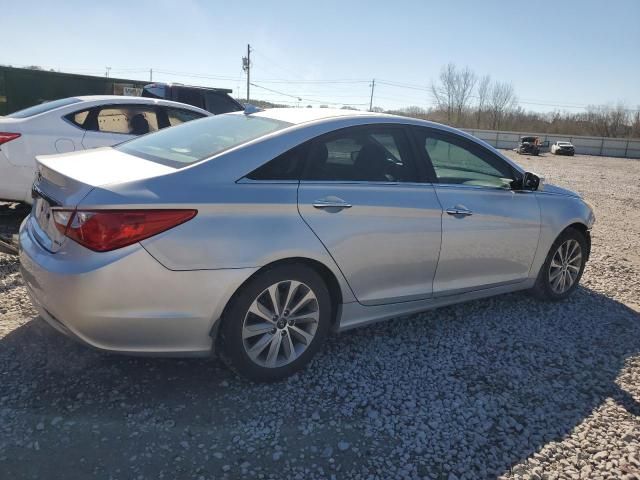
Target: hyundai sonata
x=256, y=234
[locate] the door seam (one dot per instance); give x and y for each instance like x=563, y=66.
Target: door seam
x=323, y=245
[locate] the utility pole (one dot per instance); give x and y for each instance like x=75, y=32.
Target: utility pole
x=373, y=85
x=106, y=74
x=151, y=74
x=246, y=66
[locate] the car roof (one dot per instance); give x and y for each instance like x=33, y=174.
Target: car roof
x=101, y=99
x=297, y=116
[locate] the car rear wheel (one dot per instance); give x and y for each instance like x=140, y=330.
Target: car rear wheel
x=276, y=323
x=563, y=267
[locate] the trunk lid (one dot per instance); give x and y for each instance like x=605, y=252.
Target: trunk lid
x=62, y=181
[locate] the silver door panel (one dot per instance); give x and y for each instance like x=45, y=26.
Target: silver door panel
x=493, y=243
x=386, y=241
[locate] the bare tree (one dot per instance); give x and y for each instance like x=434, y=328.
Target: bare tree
x=444, y=91
x=635, y=125
x=454, y=90
x=607, y=121
x=483, y=97
x=503, y=99
x=465, y=83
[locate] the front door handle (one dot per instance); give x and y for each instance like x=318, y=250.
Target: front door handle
x=331, y=202
x=459, y=210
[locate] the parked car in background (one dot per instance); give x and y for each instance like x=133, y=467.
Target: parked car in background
x=215, y=100
x=256, y=234
x=563, y=148
x=77, y=123
x=529, y=146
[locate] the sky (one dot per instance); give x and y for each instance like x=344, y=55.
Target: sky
x=558, y=55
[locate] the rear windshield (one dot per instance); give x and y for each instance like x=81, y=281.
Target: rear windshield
x=43, y=107
x=194, y=141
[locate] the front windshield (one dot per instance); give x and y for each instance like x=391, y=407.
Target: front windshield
x=194, y=141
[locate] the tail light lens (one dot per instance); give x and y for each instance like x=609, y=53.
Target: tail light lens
x=7, y=137
x=105, y=230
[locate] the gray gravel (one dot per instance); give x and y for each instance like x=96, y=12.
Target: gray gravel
x=506, y=387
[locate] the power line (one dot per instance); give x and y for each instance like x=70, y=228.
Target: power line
x=313, y=82
x=301, y=98
x=301, y=82
x=291, y=72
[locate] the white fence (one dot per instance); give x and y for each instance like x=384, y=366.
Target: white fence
x=610, y=147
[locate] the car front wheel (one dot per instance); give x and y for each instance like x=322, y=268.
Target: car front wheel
x=563, y=267
x=276, y=323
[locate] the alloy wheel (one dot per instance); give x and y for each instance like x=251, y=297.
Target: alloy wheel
x=565, y=266
x=280, y=324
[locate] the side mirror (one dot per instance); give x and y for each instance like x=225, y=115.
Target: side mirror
x=530, y=181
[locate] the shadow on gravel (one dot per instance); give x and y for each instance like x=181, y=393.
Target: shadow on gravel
x=472, y=389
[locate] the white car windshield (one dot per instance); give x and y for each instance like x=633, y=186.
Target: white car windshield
x=194, y=141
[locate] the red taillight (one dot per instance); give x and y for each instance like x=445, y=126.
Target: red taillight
x=105, y=230
x=7, y=137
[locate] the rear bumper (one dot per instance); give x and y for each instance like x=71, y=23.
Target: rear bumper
x=125, y=301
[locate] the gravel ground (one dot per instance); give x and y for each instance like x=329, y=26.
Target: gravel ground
x=505, y=387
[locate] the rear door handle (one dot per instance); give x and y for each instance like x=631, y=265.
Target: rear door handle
x=331, y=202
x=459, y=210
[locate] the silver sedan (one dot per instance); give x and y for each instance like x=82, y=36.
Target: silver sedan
x=256, y=234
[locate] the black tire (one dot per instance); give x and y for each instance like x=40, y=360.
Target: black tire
x=542, y=288
x=230, y=342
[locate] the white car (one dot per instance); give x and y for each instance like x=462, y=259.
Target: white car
x=563, y=148
x=77, y=123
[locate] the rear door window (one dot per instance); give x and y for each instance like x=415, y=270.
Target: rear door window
x=126, y=119
x=371, y=154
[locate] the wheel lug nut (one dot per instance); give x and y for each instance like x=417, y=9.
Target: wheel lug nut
x=286, y=313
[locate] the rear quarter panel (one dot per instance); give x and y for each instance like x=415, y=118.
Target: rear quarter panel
x=238, y=225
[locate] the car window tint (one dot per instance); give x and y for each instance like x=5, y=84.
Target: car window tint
x=455, y=163
x=287, y=166
x=179, y=115
x=362, y=154
x=127, y=119
x=220, y=103
x=189, y=96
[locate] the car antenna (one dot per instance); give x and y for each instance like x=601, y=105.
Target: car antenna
x=249, y=109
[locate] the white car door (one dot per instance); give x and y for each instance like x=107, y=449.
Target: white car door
x=112, y=124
